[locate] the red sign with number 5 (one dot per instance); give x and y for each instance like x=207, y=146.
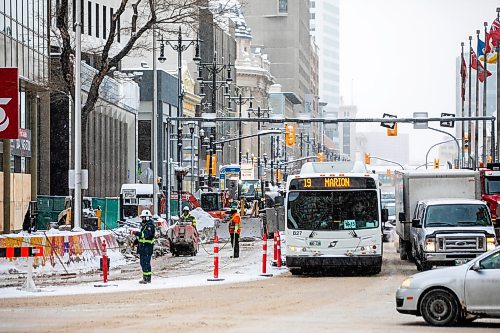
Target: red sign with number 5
x=9, y=105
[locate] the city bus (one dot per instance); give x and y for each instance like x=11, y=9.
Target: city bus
x=334, y=221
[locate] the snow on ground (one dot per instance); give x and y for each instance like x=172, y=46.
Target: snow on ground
x=246, y=268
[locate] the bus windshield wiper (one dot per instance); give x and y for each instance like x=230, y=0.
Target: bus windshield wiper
x=313, y=231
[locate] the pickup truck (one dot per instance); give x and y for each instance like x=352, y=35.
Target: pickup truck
x=447, y=232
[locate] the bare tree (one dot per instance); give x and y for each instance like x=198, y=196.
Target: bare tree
x=145, y=14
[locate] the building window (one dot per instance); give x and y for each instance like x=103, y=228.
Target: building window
x=104, y=18
x=282, y=6
x=89, y=18
x=97, y=20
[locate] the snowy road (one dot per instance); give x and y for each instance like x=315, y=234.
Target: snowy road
x=283, y=303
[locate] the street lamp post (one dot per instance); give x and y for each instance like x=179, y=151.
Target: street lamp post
x=240, y=100
x=191, y=126
x=213, y=68
x=181, y=46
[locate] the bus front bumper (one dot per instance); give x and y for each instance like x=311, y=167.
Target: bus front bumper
x=326, y=262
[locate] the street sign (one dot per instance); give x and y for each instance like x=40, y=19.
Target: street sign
x=84, y=177
x=447, y=123
x=388, y=125
x=420, y=124
x=9, y=106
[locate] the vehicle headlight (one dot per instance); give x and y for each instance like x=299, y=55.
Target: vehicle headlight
x=490, y=243
x=430, y=244
x=406, y=283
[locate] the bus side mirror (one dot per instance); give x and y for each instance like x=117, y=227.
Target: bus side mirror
x=385, y=214
x=402, y=216
x=415, y=223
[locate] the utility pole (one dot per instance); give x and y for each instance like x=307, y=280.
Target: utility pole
x=77, y=207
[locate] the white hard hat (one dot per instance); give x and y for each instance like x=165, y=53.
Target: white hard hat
x=145, y=213
x=185, y=208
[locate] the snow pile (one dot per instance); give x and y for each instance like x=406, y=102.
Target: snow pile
x=205, y=224
x=203, y=219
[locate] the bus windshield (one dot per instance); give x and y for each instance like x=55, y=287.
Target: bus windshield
x=332, y=210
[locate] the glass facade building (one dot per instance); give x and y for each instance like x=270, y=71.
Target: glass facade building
x=24, y=39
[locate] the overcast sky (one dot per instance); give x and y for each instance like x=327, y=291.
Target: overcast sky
x=398, y=57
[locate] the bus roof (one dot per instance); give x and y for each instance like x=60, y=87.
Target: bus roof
x=333, y=167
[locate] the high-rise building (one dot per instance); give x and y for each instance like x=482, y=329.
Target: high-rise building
x=324, y=26
x=281, y=29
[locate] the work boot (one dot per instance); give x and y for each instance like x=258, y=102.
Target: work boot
x=144, y=280
x=148, y=279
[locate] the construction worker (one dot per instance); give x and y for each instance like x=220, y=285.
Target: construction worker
x=187, y=216
x=235, y=231
x=145, y=247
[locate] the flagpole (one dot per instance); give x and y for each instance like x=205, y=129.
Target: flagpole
x=469, y=127
x=484, y=95
x=462, y=98
x=476, y=128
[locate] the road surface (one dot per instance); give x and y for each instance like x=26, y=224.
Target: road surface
x=284, y=303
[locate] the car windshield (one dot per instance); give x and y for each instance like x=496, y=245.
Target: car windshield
x=336, y=210
x=492, y=185
x=468, y=215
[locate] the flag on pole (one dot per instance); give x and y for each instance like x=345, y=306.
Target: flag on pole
x=480, y=49
x=479, y=67
x=494, y=36
x=480, y=73
x=492, y=59
x=463, y=74
x=473, y=62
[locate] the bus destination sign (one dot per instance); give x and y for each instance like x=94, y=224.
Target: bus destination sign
x=326, y=183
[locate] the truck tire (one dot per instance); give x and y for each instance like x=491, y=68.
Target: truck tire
x=402, y=250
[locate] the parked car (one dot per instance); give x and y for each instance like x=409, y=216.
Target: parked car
x=453, y=295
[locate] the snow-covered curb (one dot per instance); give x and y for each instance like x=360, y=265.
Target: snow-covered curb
x=133, y=285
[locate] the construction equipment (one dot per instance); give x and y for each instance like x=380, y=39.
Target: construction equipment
x=183, y=238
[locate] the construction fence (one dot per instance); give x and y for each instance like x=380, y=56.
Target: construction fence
x=49, y=208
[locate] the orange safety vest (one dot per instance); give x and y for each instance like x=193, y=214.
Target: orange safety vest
x=235, y=223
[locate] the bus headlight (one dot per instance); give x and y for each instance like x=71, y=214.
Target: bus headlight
x=430, y=244
x=490, y=243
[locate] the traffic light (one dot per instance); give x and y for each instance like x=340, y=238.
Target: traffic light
x=490, y=159
x=367, y=158
x=436, y=163
x=466, y=142
x=290, y=135
x=321, y=157
x=388, y=172
x=393, y=131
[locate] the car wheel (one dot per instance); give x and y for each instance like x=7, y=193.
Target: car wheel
x=439, y=308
